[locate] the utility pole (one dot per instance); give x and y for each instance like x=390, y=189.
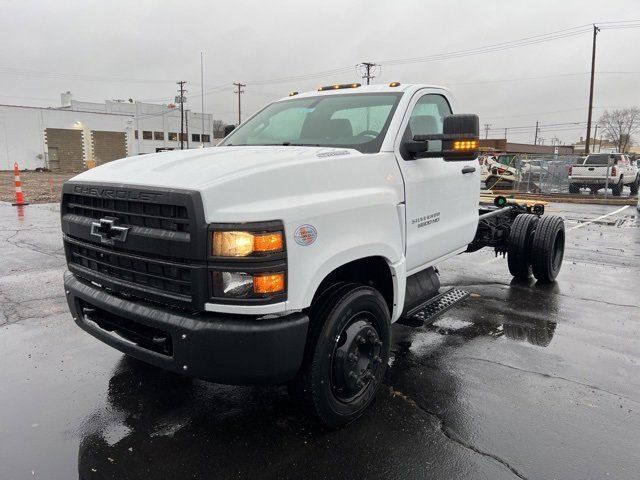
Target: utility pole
x=186, y=124
x=505, y=133
x=368, y=67
x=535, y=138
x=593, y=67
x=202, y=100
x=595, y=136
x=181, y=100
x=239, y=92
x=486, y=130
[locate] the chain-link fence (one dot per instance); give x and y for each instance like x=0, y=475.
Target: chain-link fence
x=529, y=173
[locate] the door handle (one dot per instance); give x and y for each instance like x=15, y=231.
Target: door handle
x=468, y=169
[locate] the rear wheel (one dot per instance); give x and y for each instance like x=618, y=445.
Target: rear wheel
x=519, y=248
x=594, y=190
x=617, y=189
x=547, y=248
x=635, y=186
x=491, y=181
x=574, y=188
x=346, y=355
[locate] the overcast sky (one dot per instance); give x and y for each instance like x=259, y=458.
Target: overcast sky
x=138, y=49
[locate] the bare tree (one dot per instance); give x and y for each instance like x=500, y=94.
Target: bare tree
x=620, y=125
x=218, y=128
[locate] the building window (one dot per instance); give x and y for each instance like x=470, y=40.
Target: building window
x=136, y=134
x=206, y=138
x=147, y=135
x=173, y=136
x=195, y=137
x=158, y=135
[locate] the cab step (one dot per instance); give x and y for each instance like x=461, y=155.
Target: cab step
x=425, y=313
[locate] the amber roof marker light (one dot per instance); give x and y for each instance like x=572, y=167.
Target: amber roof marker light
x=394, y=84
x=339, y=86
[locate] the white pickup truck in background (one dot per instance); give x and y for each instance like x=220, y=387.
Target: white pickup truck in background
x=592, y=174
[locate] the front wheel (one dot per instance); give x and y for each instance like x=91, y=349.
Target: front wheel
x=346, y=355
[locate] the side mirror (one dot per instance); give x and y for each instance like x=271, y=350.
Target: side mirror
x=460, y=139
x=228, y=129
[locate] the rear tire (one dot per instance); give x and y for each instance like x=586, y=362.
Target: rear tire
x=635, y=186
x=617, y=190
x=519, y=249
x=547, y=248
x=574, y=188
x=594, y=190
x=346, y=355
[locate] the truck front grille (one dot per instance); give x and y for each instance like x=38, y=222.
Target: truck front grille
x=166, y=278
x=162, y=257
x=130, y=212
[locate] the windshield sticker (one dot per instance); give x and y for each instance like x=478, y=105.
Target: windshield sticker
x=305, y=235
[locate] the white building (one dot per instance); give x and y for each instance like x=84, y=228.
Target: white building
x=80, y=134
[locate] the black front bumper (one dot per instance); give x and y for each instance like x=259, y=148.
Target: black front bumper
x=230, y=349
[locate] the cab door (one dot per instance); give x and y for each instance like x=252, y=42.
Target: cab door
x=441, y=197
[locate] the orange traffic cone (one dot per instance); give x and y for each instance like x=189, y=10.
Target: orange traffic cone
x=19, y=196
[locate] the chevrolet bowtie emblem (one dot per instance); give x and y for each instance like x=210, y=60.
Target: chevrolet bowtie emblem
x=108, y=231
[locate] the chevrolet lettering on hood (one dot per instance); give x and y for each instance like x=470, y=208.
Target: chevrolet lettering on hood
x=117, y=194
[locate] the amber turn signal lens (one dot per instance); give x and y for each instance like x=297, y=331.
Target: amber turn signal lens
x=268, y=242
x=465, y=144
x=270, y=283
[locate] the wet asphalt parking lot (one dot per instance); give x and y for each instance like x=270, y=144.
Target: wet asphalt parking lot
x=517, y=381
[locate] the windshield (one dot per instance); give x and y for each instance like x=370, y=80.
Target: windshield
x=357, y=121
x=601, y=159
x=506, y=159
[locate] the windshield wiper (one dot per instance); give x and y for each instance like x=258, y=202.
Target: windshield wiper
x=287, y=144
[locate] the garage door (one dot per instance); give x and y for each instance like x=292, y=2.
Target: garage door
x=108, y=146
x=65, y=149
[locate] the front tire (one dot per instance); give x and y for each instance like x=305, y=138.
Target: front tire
x=346, y=355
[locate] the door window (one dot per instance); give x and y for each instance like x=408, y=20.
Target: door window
x=427, y=118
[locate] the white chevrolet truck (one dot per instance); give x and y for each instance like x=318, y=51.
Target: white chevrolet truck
x=284, y=254
x=605, y=170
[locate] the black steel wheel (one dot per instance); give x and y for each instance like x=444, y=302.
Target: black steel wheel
x=519, y=249
x=346, y=355
x=547, y=248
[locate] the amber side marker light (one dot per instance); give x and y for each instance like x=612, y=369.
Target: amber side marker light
x=465, y=144
x=394, y=84
x=270, y=283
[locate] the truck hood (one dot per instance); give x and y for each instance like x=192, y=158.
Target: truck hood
x=200, y=169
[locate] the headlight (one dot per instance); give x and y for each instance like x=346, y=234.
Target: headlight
x=244, y=285
x=243, y=244
x=247, y=262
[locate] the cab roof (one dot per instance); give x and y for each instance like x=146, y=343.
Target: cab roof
x=378, y=88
